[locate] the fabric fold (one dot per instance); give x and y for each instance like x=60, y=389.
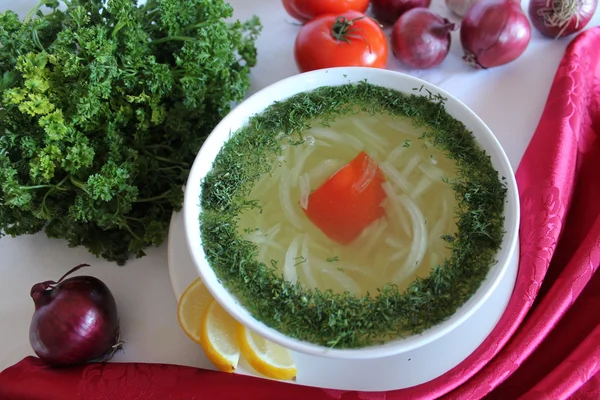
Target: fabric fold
x=575, y=372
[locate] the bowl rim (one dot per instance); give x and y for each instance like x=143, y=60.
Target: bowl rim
x=213, y=144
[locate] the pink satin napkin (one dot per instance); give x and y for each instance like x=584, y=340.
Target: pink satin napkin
x=547, y=344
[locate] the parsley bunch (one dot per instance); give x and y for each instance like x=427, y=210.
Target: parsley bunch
x=103, y=107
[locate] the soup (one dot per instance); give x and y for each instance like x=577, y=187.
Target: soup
x=403, y=243
x=352, y=215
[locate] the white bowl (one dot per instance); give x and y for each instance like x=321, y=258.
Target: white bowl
x=507, y=257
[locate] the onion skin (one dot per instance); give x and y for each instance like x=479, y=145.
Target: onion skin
x=494, y=33
x=75, y=321
x=560, y=18
x=390, y=10
x=421, y=39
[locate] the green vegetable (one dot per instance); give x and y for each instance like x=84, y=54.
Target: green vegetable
x=344, y=320
x=103, y=107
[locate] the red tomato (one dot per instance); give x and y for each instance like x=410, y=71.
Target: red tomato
x=349, y=201
x=349, y=39
x=305, y=10
x=290, y=7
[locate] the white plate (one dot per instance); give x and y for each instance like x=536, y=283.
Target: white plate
x=397, y=372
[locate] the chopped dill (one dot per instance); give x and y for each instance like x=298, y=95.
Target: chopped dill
x=340, y=269
x=302, y=260
x=432, y=96
x=333, y=259
x=343, y=320
x=274, y=263
x=406, y=143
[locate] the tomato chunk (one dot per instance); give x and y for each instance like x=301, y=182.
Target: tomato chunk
x=349, y=201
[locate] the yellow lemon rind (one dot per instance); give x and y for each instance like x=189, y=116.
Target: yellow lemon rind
x=214, y=356
x=194, y=336
x=259, y=364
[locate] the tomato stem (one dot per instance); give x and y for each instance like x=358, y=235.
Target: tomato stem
x=342, y=29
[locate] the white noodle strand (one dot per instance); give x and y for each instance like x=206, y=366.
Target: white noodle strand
x=419, y=244
x=311, y=282
x=395, y=210
x=337, y=138
x=395, y=176
x=304, y=185
x=285, y=199
x=289, y=268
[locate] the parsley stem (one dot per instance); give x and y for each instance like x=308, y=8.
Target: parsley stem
x=174, y=39
x=200, y=25
x=77, y=183
x=165, y=159
x=171, y=168
x=56, y=187
x=131, y=232
x=36, y=40
x=168, y=160
x=151, y=199
x=159, y=146
x=134, y=219
x=36, y=187
x=150, y=4
x=34, y=10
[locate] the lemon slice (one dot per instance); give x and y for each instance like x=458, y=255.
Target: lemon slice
x=218, y=338
x=191, y=307
x=264, y=356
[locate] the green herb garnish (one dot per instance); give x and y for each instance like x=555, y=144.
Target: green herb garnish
x=406, y=143
x=103, y=108
x=344, y=320
x=299, y=260
x=333, y=259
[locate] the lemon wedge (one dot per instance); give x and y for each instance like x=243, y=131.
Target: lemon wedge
x=191, y=307
x=264, y=356
x=218, y=338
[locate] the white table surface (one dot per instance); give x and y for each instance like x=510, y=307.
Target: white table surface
x=509, y=99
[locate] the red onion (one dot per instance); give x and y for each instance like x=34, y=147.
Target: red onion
x=560, y=18
x=421, y=38
x=494, y=32
x=460, y=7
x=75, y=321
x=391, y=10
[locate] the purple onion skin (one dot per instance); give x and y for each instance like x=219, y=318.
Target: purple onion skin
x=75, y=321
x=543, y=17
x=390, y=10
x=421, y=39
x=494, y=33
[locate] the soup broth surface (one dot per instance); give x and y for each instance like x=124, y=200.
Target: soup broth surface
x=402, y=245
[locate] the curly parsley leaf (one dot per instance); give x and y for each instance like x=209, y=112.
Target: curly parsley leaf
x=103, y=106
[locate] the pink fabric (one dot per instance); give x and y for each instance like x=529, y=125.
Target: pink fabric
x=547, y=344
